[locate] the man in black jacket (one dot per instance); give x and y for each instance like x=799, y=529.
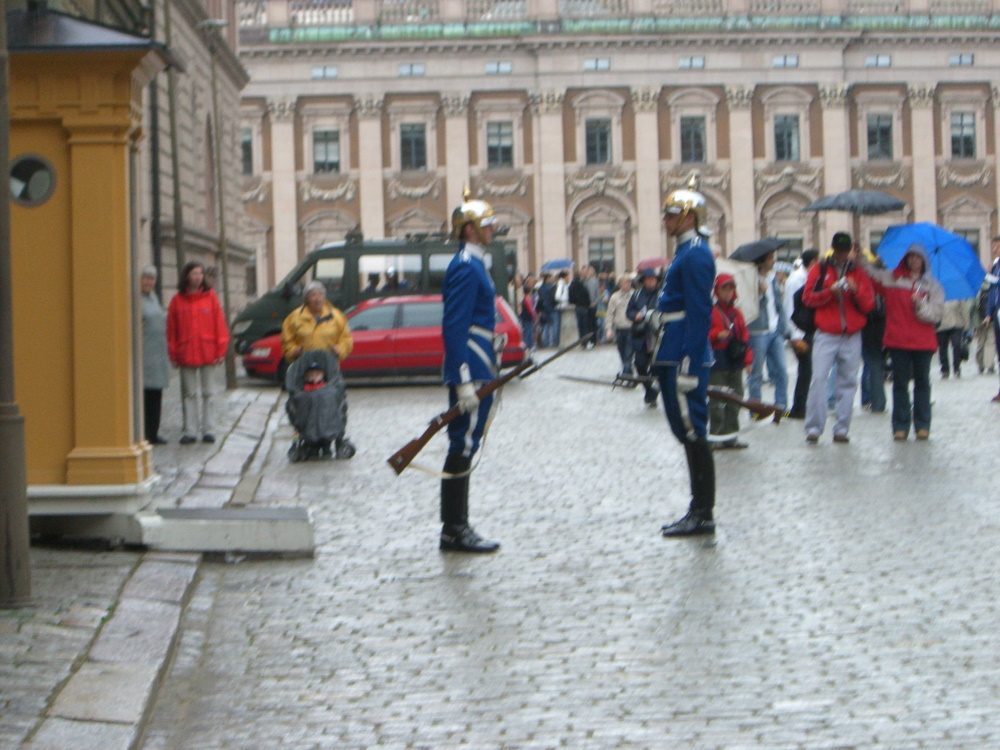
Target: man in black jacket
x=640, y=304
x=579, y=297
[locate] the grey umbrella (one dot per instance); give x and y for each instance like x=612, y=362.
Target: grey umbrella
x=751, y=252
x=868, y=202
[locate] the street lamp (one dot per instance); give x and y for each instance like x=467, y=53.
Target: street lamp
x=210, y=27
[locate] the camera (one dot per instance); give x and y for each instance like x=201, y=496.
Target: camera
x=839, y=284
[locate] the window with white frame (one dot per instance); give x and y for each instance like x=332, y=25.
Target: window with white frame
x=785, y=61
x=963, y=135
x=499, y=68
x=598, y=141
x=499, y=145
x=692, y=125
x=411, y=69
x=786, y=138
x=786, y=118
x=598, y=115
x=695, y=62
x=597, y=63
x=879, y=136
x=326, y=151
x=323, y=71
x=961, y=60
x=878, y=61
x=413, y=146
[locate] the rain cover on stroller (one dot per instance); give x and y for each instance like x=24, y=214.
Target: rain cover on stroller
x=320, y=415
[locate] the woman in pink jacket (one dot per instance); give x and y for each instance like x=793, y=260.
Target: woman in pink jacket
x=197, y=339
x=914, y=303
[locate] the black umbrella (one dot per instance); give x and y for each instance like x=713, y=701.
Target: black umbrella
x=754, y=251
x=867, y=202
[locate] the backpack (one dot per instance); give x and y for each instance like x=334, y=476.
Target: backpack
x=804, y=317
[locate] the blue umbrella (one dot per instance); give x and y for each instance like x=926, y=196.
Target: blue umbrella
x=559, y=264
x=954, y=262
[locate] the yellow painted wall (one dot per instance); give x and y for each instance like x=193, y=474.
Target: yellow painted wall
x=73, y=279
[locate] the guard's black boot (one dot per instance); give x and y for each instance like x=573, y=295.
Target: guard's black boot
x=698, y=520
x=456, y=534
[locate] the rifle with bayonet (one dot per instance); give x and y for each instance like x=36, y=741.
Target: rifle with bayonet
x=405, y=455
x=753, y=405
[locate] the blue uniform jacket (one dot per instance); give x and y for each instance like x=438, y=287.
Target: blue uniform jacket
x=688, y=288
x=469, y=316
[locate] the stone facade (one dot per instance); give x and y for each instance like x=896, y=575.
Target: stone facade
x=574, y=119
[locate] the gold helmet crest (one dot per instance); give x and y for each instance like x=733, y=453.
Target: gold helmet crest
x=477, y=212
x=688, y=200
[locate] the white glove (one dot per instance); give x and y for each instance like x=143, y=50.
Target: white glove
x=686, y=383
x=468, y=401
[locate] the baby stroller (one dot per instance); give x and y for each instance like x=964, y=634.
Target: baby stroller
x=319, y=415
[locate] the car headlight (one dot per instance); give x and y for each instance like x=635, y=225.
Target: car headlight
x=241, y=327
x=260, y=352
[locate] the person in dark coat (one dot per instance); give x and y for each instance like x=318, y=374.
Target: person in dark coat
x=640, y=305
x=155, y=361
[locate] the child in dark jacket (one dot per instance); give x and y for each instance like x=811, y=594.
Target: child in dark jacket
x=729, y=339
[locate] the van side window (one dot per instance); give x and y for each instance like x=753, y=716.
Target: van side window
x=437, y=265
x=331, y=272
x=378, y=318
x=383, y=275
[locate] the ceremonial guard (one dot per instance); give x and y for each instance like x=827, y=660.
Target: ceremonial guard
x=683, y=356
x=470, y=359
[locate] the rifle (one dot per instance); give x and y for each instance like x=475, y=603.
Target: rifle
x=405, y=455
x=754, y=405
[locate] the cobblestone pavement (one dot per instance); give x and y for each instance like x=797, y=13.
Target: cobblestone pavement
x=847, y=601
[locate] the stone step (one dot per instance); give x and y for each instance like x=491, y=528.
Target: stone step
x=273, y=530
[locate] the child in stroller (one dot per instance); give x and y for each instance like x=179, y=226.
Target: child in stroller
x=317, y=407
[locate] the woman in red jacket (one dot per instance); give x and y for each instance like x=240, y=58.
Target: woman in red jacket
x=914, y=303
x=197, y=339
x=729, y=338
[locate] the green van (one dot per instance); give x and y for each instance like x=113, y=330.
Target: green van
x=358, y=269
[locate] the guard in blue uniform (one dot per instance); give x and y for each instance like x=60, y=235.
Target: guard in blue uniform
x=470, y=360
x=684, y=356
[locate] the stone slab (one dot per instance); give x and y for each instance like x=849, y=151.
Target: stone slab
x=64, y=734
x=161, y=580
x=139, y=632
x=106, y=691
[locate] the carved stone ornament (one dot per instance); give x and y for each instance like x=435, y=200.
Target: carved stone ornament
x=485, y=187
x=346, y=190
x=920, y=96
x=599, y=182
x=948, y=175
x=258, y=192
x=646, y=99
x=546, y=102
x=708, y=176
x=455, y=105
x=833, y=95
x=863, y=177
x=369, y=107
x=786, y=178
x=739, y=97
x=399, y=189
x=282, y=109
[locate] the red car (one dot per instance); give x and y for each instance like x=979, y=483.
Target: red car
x=393, y=337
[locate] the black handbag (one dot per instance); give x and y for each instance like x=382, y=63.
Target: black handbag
x=736, y=349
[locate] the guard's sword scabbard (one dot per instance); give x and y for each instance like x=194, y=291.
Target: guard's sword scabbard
x=405, y=455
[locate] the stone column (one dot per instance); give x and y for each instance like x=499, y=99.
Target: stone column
x=921, y=99
x=740, y=102
x=550, y=172
x=836, y=155
x=984, y=247
x=284, y=204
x=370, y=181
x=645, y=103
x=456, y=146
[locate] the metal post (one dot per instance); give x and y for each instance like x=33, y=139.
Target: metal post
x=15, y=574
x=212, y=37
x=175, y=159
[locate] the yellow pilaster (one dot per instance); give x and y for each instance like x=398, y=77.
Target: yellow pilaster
x=73, y=275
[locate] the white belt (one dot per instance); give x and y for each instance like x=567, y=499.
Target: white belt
x=670, y=317
x=480, y=331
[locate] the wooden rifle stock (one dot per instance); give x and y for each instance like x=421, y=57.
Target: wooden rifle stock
x=405, y=455
x=753, y=405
